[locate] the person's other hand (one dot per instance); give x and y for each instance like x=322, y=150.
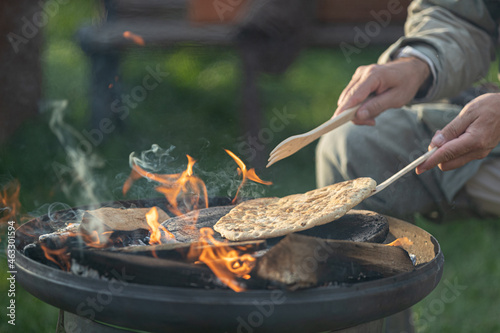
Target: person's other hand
x=393, y=84
x=470, y=136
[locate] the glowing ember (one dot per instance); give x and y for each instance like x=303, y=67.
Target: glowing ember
x=134, y=38
x=181, y=187
x=224, y=261
x=403, y=241
x=9, y=201
x=95, y=239
x=158, y=233
x=246, y=174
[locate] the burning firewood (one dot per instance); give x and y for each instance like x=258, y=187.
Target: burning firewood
x=179, y=251
x=147, y=270
x=112, y=224
x=186, y=228
x=58, y=238
x=102, y=228
x=301, y=261
x=167, y=264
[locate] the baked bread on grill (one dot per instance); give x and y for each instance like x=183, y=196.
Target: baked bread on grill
x=273, y=217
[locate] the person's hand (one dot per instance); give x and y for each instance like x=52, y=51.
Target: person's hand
x=393, y=84
x=470, y=136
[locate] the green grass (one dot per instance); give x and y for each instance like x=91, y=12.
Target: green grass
x=471, y=263
x=196, y=110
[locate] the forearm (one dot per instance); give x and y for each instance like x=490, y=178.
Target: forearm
x=459, y=50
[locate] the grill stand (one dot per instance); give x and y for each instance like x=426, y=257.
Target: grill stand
x=69, y=323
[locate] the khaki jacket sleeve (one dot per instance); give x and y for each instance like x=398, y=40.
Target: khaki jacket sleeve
x=457, y=36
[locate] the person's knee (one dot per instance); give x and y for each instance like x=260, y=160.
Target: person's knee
x=338, y=153
x=484, y=188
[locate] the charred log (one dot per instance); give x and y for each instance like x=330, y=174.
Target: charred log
x=155, y=271
x=356, y=226
x=180, y=251
x=301, y=261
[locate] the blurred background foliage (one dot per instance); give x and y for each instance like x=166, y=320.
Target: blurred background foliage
x=196, y=110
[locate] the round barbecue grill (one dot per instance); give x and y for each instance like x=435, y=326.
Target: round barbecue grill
x=173, y=309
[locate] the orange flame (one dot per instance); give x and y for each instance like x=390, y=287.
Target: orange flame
x=156, y=236
x=59, y=256
x=134, y=38
x=225, y=262
x=403, y=241
x=94, y=239
x=62, y=257
x=176, y=187
x=246, y=174
x=9, y=201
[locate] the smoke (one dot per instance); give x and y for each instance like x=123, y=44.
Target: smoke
x=222, y=182
x=155, y=159
x=226, y=180
x=53, y=212
x=77, y=179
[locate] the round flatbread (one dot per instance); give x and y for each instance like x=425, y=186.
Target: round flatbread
x=273, y=217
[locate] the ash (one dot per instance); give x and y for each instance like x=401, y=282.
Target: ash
x=85, y=271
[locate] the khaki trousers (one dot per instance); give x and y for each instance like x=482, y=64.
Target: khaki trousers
x=399, y=137
x=484, y=187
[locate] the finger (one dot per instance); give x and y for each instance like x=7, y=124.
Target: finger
x=358, y=74
x=437, y=140
x=375, y=106
x=453, y=130
x=351, y=102
x=450, y=151
x=356, y=98
x=347, y=90
x=462, y=160
x=423, y=167
x=358, y=92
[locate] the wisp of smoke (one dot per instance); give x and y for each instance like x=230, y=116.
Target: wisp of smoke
x=81, y=185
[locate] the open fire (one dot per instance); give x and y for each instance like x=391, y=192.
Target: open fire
x=194, y=272
x=9, y=202
x=225, y=262
x=150, y=232
x=158, y=234
x=181, y=187
x=185, y=194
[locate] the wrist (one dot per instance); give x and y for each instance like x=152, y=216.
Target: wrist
x=421, y=72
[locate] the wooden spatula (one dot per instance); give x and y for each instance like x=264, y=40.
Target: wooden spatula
x=404, y=171
x=294, y=143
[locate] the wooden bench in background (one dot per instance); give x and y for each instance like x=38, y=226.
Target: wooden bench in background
x=166, y=23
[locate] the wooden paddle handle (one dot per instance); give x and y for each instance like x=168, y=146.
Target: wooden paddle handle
x=403, y=172
x=333, y=123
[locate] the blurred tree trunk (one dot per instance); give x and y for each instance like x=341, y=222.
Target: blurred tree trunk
x=21, y=23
